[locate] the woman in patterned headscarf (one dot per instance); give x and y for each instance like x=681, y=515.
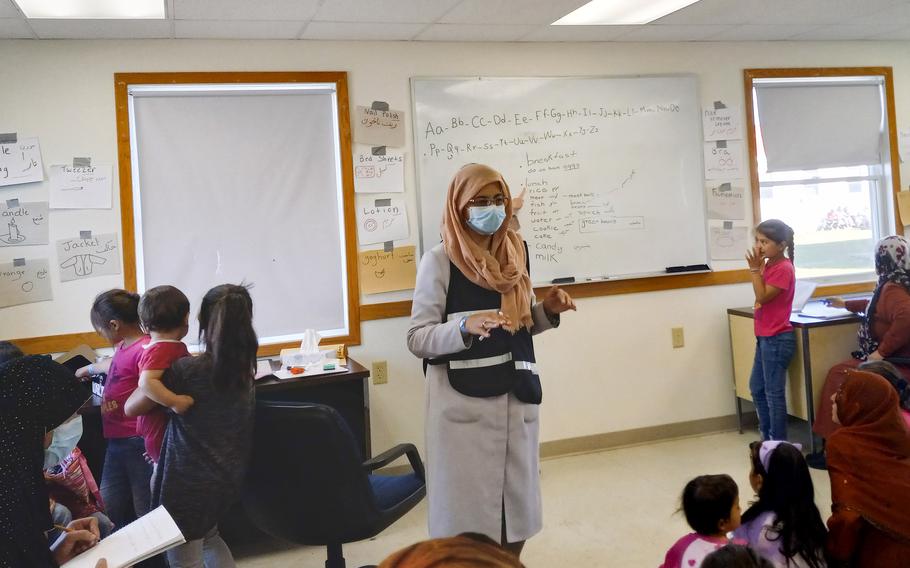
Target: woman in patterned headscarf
x=885, y=329
x=472, y=319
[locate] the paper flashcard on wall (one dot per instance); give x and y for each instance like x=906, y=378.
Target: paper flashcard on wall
x=20, y=162
x=724, y=159
x=81, y=187
x=23, y=223
x=725, y=200
x=382, y=271
x=381, y=220
x=375, y=127
x=729, y=243
x=383, y=173
x=88, y=256
x=24, y=280
x=721, y=123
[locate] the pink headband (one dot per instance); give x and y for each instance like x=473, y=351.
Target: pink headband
x=764, y=453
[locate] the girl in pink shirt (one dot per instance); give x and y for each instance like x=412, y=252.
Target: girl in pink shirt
x=126, y=475
x=773, y=281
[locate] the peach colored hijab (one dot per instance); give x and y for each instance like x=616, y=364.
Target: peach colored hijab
x=503, y=266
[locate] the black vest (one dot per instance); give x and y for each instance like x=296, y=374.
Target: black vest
x=501, y=363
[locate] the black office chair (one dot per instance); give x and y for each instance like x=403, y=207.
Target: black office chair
x=308, y=484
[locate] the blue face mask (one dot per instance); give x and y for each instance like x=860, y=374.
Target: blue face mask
x=486, y=220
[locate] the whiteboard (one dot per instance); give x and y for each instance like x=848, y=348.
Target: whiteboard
x=611, y=167
x=242, y=183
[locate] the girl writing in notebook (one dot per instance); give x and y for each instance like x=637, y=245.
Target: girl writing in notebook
x=773, y=281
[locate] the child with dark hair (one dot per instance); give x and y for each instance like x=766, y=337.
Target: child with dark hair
x=735, y=556
x=126, y=475
x=711, y=506
x=784, y=524
x=893, y=375
x=205, y=452
x=774, y=282
x=164, y=314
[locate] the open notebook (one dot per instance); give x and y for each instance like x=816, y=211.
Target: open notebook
x=145, y=537
x=802, y=305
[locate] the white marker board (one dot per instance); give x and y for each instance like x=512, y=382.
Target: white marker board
x=612, y=166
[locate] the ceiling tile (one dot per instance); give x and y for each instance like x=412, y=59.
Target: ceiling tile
x=510, y=12
x=361, y=31
x=576, y=33
x=14, y=28
x=274, y=10
x=810, y=11
x=653, y=32
x=101, y=29
x=286, y=29
x=474, y=32
x=407, y=11
x=708, y=12
x=847, y=32
x=8, y=10
x=751, y=32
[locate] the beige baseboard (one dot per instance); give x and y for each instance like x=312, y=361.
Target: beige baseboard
x=637, y=436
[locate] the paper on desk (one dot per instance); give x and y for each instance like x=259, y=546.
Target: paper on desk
x=312, y=371
x=145, y=537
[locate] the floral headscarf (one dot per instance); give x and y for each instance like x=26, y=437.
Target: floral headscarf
x=892, y=264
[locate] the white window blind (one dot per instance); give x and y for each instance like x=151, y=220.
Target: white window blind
x=243, y=186
x=825, y=125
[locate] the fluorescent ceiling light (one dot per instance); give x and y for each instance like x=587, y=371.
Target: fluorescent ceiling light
x=621, y=12
x=93, y=9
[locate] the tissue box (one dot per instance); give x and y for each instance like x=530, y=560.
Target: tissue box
x=296, y=358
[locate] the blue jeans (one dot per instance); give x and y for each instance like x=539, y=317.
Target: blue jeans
x=125, y=480
x=209, y=551
x=768, y=383
x=62, y=516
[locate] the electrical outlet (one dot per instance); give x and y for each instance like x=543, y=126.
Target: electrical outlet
x=679, y=340
x=380, y=372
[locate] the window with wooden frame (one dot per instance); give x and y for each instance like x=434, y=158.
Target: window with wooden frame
x=243, y=178
x=823, y=156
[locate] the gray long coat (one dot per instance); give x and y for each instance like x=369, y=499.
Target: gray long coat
x=482, y=453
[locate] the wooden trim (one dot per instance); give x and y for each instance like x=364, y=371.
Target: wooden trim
x=892, y=143
x=60, y=343
x=122, y=82
x=369, y=312
x=841, y=289
x=886, y=72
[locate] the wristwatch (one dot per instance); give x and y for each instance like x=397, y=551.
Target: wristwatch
x=462, y=325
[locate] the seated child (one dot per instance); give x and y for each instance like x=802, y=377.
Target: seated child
x=711, y=506
x=735, y=556
x=164, y=314
x=784, y=524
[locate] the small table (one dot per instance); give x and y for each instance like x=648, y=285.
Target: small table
x=831, y=340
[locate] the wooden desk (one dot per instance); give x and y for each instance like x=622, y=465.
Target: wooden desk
x=347, y=392
x=831, y=340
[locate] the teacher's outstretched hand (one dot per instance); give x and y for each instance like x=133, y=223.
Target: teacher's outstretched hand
x=558, y=301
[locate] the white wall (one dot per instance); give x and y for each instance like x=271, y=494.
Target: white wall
x=610, y=367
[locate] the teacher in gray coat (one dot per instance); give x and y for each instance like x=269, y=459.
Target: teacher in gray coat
x=472, y=320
